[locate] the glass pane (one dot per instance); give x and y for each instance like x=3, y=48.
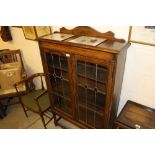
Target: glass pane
x=81, y=95
x=101, y=87
x=90, y=83
x=82, y=114
x=99, y=121
x=59, y=86
x=61, y=103
x=56, y=61
x=64, y=74
x=102, y=74
x=91, y=70
x=90, y=97
x=53, y=83
x=90, y=117
x=91, y=93
x=58, y=73
x=64, y=64
x=100, y=98
x=66, y=86
x=49, y=59
x=80, y=68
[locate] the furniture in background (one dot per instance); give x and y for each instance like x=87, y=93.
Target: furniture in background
x=34, y=32
x=5, y=33
x=10, y=59
x=84, y=72
x=136, y=116
x=35, y=99
x=2, y=111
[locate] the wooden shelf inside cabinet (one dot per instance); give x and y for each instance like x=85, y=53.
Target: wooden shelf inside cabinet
x=90, y=117
x=103, y=92
x=92, y=84
x=63, y=108
x=89, y=97
x=61, y=96
x=92, y=71
x=92, y=74
x=56, y=68
x=62, y=103
x=89, y=78
x=96, y=109
x=62, y=77
x=62, y=89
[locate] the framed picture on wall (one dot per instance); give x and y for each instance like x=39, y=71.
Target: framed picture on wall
x=42, y=30
x=29, y=32
x=34, y=32
x=142, y=35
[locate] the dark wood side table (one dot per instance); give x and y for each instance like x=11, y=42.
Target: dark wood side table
x=136, y=116
x=2, y=111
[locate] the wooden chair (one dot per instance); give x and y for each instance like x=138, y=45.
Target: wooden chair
x=11, y=56
x=35, y=99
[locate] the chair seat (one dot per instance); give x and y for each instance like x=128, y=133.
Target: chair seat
x=12, y=91
x=29, y=102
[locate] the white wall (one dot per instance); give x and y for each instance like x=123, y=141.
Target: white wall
x=139, y=77
x=29, y=49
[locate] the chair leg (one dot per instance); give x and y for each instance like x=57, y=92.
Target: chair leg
x=24, y=110
x=43, y=121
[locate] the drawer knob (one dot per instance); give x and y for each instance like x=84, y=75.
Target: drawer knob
x=137, y=126
x=68, y=55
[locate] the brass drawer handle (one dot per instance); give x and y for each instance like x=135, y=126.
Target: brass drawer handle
x=137, y=126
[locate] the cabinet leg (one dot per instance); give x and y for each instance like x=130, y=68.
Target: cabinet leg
x=55, y=119
x=43, y=121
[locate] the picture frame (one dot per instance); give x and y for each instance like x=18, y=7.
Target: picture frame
x=42, y=31
x=17, y=26
x=34, y=32
x=142, y=35
x=29, y=32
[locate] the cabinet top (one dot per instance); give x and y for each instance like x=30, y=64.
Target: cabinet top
x=87, y=37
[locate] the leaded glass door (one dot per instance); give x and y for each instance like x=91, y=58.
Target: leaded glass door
x=58, y=69
x=91, y=83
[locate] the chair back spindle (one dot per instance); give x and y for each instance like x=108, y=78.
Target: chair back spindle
x=42, y=85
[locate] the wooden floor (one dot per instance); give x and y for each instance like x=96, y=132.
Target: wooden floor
x=16, y=119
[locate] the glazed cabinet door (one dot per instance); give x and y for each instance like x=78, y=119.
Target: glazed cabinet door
x=59, y=80
x=91, y=86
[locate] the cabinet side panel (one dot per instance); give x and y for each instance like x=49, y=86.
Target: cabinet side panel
x=117, y=79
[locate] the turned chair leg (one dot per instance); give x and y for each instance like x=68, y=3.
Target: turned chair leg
x=43, y=121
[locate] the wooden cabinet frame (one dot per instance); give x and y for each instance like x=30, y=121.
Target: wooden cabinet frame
x=112, y=58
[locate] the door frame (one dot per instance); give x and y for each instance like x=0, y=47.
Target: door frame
x=110, y=66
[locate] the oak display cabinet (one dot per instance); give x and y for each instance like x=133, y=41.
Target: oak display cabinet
x=84, y=72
